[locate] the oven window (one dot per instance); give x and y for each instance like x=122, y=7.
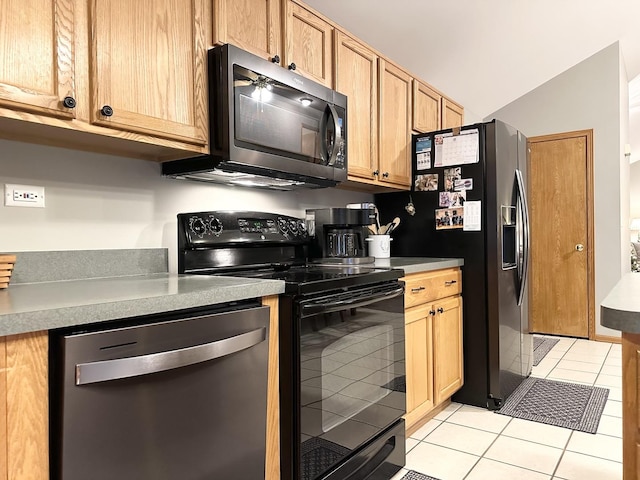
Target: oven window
x=352, y=380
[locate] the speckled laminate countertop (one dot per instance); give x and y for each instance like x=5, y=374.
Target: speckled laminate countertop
x=34, y=306
x=419, y=264
x=620, y=309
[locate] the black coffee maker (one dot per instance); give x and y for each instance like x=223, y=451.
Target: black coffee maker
x=338, y=234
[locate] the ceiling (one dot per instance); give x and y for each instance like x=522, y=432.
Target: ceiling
x=485, y=54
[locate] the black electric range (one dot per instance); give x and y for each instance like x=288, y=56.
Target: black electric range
x=341, y=342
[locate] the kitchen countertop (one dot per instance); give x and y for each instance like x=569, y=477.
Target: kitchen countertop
x=31, y=307
x=620, y=309
x=418, y=264
x=35, y=306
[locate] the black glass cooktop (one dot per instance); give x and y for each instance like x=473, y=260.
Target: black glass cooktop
x=314, y=278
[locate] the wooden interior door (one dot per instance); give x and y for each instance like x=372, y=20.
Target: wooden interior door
x=561, y=224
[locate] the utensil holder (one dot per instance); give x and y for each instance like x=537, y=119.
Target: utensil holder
x=379, y=246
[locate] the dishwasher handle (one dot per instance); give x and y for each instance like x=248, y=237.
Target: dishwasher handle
x=106, y=370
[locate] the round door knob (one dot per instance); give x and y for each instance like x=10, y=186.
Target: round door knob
x=432, y=312
x=292, y=66
x=107, y=111
x=69, y=102
x=385, y=175
x=275, y=59
x=376, y=172
x=579, y=247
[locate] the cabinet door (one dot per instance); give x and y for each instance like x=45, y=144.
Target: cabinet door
x=24, y=406
x=253, y=25
x=148, y=67
x=395, y=131
x=418, y=362
x=426, y=107
x=447, y=347
x=356, y=75
x=452, y=114
x=37, y=56
x=309, y=41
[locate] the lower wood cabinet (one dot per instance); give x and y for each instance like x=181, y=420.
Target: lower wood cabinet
x=433, y=341
x=630, y=406
x=24, y=408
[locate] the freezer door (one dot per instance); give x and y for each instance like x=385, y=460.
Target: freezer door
x=504, y=311
x=526, y=343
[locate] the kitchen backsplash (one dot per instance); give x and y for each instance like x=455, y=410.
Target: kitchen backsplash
x=96, y=201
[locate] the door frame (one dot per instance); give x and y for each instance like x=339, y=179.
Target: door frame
x=588, y=134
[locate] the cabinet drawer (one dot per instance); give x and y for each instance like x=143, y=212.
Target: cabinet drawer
x=425, y=287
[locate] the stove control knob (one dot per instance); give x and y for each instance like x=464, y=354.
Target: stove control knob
x=293, y=227
x=283, y=226
x=215, y=226
x=197, y=226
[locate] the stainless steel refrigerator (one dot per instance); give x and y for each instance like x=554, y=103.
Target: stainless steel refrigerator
x=469, y=201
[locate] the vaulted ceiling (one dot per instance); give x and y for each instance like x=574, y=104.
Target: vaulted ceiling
x=485, y=54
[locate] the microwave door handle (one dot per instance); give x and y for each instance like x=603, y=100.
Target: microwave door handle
x=337, y=140
x=103, y=371
x=324, y=151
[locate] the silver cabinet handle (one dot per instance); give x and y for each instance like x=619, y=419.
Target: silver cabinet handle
x=416, y=290
x=579, y=247
x=106, y=370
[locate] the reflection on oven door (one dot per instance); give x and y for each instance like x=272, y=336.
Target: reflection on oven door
x=352, y=381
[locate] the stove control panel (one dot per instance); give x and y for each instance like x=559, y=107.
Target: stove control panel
x=203, y=229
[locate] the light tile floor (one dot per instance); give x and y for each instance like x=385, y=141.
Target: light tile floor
x=470, y=443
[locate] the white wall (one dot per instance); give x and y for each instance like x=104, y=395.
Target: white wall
x=98, y=201
x=587, y=96
x=634, y=194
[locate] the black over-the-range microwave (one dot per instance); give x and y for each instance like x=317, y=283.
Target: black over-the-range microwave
x=269, y=127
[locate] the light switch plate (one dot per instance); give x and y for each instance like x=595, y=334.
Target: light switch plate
x=23, y=196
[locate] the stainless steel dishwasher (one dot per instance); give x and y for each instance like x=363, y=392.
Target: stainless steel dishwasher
x=166, y=397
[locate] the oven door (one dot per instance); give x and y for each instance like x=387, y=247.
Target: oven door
x=351, y=371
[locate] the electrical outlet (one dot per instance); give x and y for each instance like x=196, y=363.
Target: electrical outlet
x=23, y=196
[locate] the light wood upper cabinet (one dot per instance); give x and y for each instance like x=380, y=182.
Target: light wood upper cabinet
x=253, y=25
x=148, y=68
x=309, y=44
x=452, y=114
x=37, y=56
x=394, y=125
x=356, y=76
x=426, y=107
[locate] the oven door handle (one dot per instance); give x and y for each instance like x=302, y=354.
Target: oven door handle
x=106, y=370
x=314, y=308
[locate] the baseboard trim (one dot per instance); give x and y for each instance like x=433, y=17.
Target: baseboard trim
x=607, y=338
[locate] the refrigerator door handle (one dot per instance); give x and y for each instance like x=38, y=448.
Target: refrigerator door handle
x=524, y=215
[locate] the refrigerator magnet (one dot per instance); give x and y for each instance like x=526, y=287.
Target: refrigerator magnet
x=450, y=176
x=473, y=215
x=452, y=199
x=449, y=218
x=463, y=184
x=423, y=153
x=426, y=183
